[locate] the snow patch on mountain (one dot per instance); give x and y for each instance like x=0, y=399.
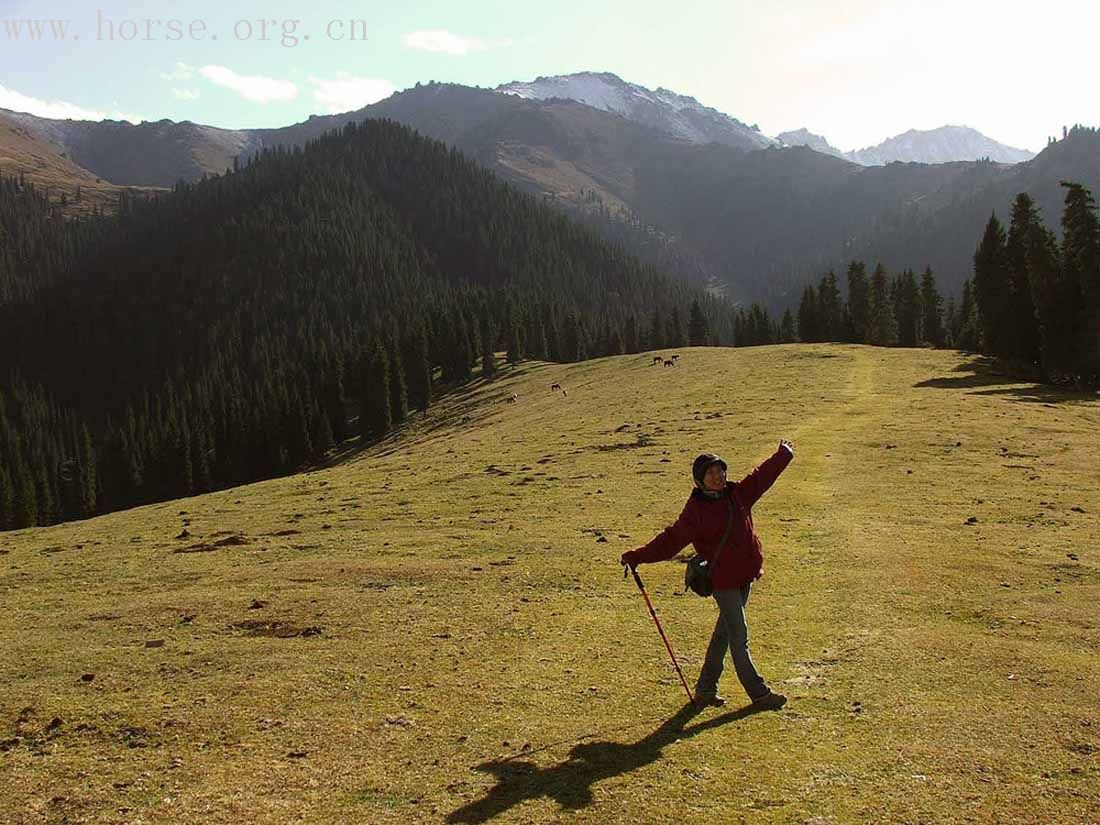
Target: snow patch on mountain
x=943, y=145
x=804, y=137
x=678, y=115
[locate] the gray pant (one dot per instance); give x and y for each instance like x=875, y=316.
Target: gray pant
x=731, y=633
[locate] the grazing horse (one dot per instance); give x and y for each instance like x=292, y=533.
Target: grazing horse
x=657, y=359
x=676, y=358
x=669, y=363
x=555, y=386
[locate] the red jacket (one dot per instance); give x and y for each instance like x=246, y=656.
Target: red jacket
x=703, y=521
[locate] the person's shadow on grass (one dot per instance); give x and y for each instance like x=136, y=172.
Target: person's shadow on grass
x=570, y=782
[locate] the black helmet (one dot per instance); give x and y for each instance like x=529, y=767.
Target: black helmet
x=699, y=467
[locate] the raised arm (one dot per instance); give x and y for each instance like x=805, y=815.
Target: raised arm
x=669, y=541
x=756, y=483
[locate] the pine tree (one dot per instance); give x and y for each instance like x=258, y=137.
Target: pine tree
x=515, y=344
x=631, y=337
x=26, y=499
x=829, y=316
x=657, y=331
x=859, y=304
x=1044, y=268
x=991, y=289
x=553, y=338
x=950, y=324
x=572, y=343
x=698, y=335
x=675, y=335
x=333, y=401
x=907, y=309
x=534, y=337
x=787, y=333
x=399, y=396
x=1022, y=317
x=808, y=330
x=88, y=478
x=418, y=369
x=1081, y=279
x=931, y=322
x=374, y=418
x=321, y=435
x=883, y=330
x=967, y=326
x=488, y=360
x=7, y=499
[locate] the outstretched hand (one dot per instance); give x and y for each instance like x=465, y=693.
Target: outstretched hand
x=787, y=444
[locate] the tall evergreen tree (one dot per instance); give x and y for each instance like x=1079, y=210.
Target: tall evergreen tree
x=808, y=327
x=399, y=393
x=631, y=335
x=657, y=330
x=1044, y=267
x=1022, y=317
x=418, y=369
x=572, y=339
x=515, y=344
x=907, y=309
x=698, y=335
x=967, y=332
x=830, y=315
x=676, y=336
x=931, y=319
x=488, y=362
x=884, y=330
x=1081, y=279
x=991, y=289
x=374, y=416
x=859, y=304
x=787, y=332
x=7, y=499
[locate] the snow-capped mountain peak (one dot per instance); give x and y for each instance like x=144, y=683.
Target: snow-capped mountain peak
x=942, y=145
x=679, y=115
x=804, y=137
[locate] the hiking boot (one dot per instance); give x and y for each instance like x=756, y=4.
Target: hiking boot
x=770, y=701
x=704, y=699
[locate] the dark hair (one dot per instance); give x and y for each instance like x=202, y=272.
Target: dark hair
x=702, y=464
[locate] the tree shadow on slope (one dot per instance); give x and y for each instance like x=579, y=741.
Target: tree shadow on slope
x=464, y=407
x=569, y=783
x=985, y=376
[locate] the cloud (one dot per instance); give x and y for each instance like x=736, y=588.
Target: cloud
x=186, y=95
x=255, y=88
x=347, y=93
x=181, y=72
x=57, y=109
x=443, y=41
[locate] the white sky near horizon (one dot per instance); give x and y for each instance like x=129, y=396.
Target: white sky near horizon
x=854, y=71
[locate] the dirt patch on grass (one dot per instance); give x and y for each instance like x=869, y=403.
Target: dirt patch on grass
x=273, y=628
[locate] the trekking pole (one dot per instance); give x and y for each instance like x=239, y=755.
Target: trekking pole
x=653, y=613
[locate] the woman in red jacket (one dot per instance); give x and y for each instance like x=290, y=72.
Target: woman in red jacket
x=702, y=523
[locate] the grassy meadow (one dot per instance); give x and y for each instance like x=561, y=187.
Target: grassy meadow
x=437, y=629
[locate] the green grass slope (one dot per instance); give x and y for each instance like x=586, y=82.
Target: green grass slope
x=437, y=629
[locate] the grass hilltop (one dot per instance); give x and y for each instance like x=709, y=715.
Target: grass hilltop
x=437, y=629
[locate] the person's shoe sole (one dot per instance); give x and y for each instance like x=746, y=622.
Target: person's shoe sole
x=773, y=701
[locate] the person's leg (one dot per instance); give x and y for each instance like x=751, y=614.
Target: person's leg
x=731, y=604
x=713, y=664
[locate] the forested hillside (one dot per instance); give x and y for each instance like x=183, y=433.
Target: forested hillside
x=237, y=327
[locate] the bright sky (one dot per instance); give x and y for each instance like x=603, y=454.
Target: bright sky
x=855, y=71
